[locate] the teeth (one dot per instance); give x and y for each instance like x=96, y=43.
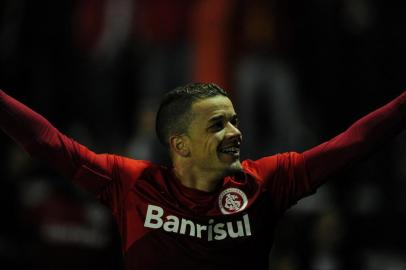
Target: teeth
x=230, y=150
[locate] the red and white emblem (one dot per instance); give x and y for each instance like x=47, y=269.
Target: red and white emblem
x=232, y=200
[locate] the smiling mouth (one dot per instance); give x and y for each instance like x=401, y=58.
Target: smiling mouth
x=233, y=150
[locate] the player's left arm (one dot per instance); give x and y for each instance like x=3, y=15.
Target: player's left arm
x=364, y=136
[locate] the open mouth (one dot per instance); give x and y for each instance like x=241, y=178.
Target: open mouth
x=233, y=150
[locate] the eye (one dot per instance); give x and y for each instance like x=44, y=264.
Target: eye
x=217, y=126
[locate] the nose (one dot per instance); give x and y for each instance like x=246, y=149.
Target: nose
x=233, y=131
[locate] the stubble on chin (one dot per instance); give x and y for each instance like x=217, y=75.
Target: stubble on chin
x=234, y=169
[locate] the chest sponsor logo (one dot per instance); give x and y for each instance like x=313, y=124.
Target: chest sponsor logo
x=156, y=219
x=232, y=200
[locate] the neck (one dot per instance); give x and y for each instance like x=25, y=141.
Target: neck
x=203, y=181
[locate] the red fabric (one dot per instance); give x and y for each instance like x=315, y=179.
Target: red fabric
x=364, y=136
x=131, y=187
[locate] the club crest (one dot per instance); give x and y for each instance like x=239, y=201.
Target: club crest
x=232, y=200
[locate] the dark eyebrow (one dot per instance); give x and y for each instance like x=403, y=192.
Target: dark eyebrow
x=221, y=117
x=216, y=118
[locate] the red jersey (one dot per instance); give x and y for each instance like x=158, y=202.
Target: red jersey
x=165, y=225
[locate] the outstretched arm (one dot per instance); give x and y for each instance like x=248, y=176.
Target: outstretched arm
x=356, y=142
x=40, y=139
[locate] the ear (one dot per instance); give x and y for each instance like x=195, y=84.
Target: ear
x=179, y=144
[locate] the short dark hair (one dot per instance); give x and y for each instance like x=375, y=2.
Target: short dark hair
x=173, y=116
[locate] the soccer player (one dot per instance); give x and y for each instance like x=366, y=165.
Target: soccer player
x=208, y=210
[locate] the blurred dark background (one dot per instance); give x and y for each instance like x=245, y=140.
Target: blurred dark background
x=299, y=72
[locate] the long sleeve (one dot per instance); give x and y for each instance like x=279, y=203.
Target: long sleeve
x=357, y=141
x=41, y=140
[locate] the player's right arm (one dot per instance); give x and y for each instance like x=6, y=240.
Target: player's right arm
x=42, y=140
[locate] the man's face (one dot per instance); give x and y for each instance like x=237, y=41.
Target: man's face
x=213, y=137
